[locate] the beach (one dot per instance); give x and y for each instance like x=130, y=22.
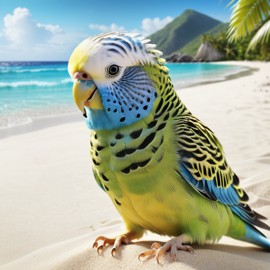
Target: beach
x=52, y=209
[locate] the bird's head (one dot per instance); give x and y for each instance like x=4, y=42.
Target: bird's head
x=115, y=79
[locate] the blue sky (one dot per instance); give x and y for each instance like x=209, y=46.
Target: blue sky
x=50, y=29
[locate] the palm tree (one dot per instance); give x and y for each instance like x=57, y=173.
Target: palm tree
x=248, y=16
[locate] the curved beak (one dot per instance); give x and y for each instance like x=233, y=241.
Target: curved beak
x=85, y=92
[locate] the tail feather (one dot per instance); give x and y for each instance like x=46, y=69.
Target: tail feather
x=256, y=237
x=250, y=216
x=259, y=216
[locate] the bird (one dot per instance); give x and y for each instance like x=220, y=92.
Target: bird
x=163, y=169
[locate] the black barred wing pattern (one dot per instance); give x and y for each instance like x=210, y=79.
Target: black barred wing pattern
x=203, y=165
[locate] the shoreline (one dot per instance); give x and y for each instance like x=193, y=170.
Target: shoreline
x=238, y=74
x=51, y=207
x=41, y=122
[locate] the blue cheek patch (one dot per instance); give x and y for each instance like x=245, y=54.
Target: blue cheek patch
x=125, y=101
x=97, y=119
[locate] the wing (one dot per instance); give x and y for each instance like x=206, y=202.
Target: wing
x=203, y=165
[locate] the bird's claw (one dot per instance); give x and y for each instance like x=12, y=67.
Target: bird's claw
x=113, y=252
x=95, y=245
x=115, y=242
x=100, y=249
x=106, y=241
x=157, y=250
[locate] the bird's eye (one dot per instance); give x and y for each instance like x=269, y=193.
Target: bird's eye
x=113, y=70
x=84, y=75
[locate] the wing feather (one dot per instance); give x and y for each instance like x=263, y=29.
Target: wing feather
x=203, y=165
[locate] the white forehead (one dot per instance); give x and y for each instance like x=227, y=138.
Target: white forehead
x=119, y=48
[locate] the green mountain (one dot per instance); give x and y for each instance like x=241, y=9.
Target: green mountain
x=182, y=30
x=192, y=47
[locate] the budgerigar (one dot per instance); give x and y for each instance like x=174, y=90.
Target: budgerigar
x=164, y=170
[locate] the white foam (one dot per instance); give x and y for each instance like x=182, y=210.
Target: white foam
x=9, y=122
x=35, y=70
x=33, y=83
x=67, y=80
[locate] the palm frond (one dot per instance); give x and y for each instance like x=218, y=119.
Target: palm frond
x=261, y=36
x=247, y=15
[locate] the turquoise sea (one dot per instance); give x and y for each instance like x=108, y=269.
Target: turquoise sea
x=40, y=89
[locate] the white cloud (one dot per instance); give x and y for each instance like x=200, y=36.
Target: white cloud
x=149, y=26
x=54, y=29
x=23, y=38
x=107, y=28
x=20, y=28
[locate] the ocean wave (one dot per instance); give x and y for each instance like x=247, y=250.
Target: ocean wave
x=32, y=70
x=66, y=80
x=33, y=83
x=26, y=83
x=9, y=122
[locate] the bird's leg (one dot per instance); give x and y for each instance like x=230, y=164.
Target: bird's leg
x=177, y=243
x=115, y=242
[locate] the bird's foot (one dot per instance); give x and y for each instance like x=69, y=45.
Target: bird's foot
x=173, y=245
x=116, y=243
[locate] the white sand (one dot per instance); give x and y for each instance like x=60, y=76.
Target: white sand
x=51, y=209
